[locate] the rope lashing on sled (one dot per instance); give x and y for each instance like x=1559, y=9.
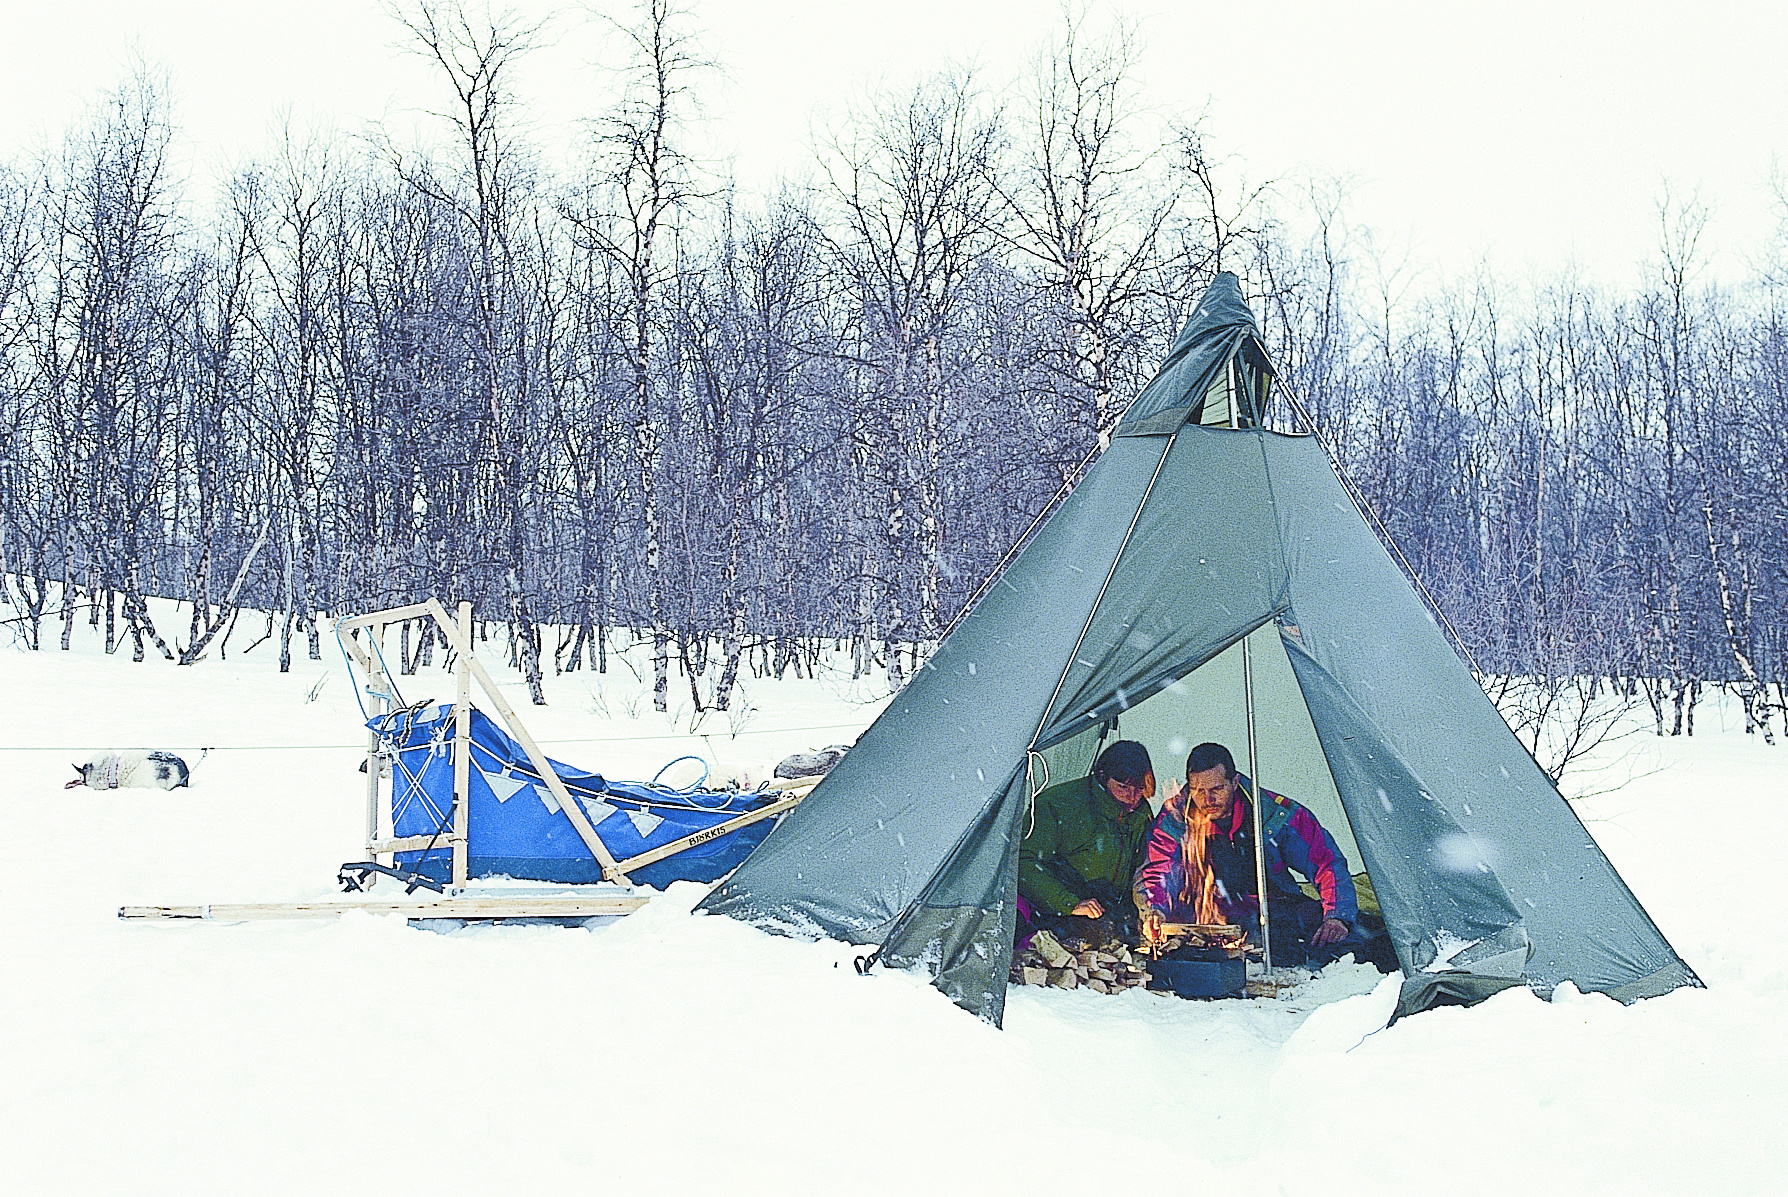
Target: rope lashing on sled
x=395, y=697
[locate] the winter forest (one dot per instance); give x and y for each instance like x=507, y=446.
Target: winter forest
x=623, y=396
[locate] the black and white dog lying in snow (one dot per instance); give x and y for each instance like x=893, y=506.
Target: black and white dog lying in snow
x=120, y=770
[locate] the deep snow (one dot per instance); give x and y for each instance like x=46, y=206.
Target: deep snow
x=671, y=1053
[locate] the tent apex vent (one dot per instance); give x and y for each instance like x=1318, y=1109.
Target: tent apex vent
x=1217, y=373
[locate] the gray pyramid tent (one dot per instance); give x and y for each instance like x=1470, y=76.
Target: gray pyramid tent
x=1207, y=580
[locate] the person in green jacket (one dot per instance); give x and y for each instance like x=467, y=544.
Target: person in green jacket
x=1085, y=841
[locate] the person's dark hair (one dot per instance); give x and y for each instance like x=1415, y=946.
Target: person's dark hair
x=1125, y=761
x=1209, y=756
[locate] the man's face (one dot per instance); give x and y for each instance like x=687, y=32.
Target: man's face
x=1129, y=793
x=1210, y=793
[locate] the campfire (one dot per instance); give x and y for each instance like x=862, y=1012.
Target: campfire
x=1211, y=934
x=1199, y=888
x=1186, y=951
x=1214, y=939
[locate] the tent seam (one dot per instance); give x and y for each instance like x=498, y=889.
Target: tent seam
x=1099, y=599
x=1282, y=601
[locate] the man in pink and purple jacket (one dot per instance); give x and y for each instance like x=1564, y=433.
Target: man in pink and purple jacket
x=1304, y=931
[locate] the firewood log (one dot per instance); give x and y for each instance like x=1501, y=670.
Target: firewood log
x=1203, y=932
x=1052, y=952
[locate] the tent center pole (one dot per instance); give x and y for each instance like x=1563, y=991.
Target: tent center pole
x=1233, y=379
x=1260, y=875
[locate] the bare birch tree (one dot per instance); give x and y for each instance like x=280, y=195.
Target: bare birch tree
x=477, y=50
x=642, y=184
x=913, y=186
x=1088, y=205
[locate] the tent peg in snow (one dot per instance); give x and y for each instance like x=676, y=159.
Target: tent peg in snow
x=1208, y=579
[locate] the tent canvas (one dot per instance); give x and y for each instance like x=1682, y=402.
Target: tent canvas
x=1196, y=529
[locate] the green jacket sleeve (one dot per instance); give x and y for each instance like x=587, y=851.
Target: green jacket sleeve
x=1039, y=886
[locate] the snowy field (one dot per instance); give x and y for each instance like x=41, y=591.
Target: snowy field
x=671, y=1053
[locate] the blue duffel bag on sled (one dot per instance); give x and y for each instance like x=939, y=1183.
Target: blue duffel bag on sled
x=517, y=828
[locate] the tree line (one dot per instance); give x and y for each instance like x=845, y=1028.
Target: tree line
x=1593, y=487
x=629, y=395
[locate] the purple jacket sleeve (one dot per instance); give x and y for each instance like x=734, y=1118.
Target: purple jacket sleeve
x=1158, y=880
x=1306, y=847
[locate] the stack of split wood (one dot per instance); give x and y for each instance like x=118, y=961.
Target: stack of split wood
x=1104, y=968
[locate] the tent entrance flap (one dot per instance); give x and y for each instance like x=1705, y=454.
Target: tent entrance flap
x=963, y=924
x=1445, y=908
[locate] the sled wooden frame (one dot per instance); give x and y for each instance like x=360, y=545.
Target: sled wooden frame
x=467, y=668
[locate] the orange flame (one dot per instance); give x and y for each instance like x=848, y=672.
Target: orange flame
x=1198, y=887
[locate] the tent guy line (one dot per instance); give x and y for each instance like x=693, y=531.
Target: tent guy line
x=766, y=731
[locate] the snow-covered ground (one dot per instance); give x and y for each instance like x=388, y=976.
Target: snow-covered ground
x=670, y=1053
